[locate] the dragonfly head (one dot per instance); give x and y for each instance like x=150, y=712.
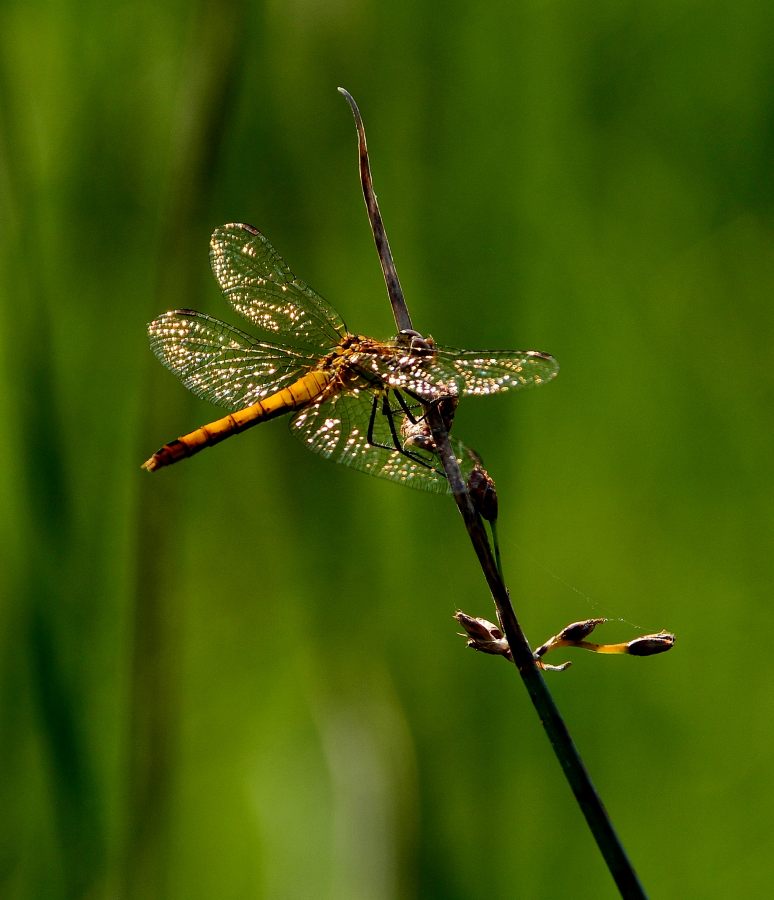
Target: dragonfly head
x=415, y=342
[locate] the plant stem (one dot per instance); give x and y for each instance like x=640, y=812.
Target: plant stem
x=596, y=816
x=394, y=290
x=569, y=759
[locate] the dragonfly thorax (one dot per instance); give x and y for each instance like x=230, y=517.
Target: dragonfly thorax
x=364, y=362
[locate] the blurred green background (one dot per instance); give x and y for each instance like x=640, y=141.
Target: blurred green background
x=240, y=677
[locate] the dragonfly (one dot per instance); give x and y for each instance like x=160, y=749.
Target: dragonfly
x=352, y=399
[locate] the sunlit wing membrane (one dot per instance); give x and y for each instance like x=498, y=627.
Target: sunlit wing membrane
x=220, y=363
x=337, y=429
x=484, y=372
x=463, y=372
x=400, y=368
x=260, y=286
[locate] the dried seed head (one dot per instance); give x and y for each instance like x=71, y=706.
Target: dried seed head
x=484, y=636
x=483, y=493
x=650, y=644
x=577, y=631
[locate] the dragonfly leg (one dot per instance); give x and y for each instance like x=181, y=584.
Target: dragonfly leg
x=396, y=444
x=399, y=446
x=406, y=408
x=447, y=405
x=387, y=412
x=371, y=420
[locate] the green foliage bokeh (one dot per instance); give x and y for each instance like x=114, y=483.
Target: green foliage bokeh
x=240, y=677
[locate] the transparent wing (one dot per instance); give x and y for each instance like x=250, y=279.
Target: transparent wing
x=220, y=363
x=445, y=370
x=338, y=429
x=259, y=285
x=483, y=372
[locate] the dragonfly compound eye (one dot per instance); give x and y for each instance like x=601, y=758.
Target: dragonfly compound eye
x=416, y=343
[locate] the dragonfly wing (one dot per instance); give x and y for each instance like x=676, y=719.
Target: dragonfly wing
x=445, y=370
x=259, y=285
x=484, y=372
x=338, y=429
x=220, y=363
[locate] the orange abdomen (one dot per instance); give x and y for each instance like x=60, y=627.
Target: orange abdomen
x=299, y=394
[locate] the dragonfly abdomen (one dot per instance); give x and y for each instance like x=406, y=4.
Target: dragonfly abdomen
x=297, y=395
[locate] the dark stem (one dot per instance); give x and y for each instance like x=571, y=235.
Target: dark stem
x=596, y=816
x=394, y=290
